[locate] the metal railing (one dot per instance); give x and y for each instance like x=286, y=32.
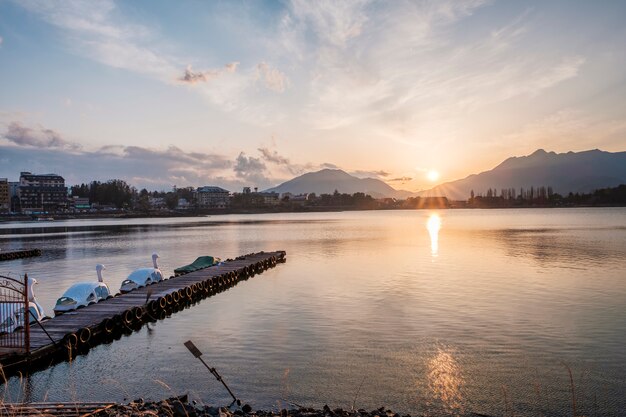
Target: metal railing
x=14, y=313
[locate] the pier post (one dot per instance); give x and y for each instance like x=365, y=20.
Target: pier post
x=26, y=317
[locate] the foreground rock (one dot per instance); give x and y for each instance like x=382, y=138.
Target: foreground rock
x=181, y=407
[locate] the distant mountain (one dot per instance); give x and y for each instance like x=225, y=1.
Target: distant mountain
x=564, y=172
x=327, y=181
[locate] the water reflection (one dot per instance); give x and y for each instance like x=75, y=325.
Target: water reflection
x=433, y=225
x=445, y=380
x=358, y=298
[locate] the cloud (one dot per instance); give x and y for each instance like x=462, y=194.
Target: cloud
x=250, y=169
x=41, y=138
x=141, y=167
x=95, y=30
x=566, y=130
x=99, y=31
x=284, y=164
x=1, y=40
x=333, y=23
x=45, y=150
x=399, y=179
x=403, y=69
x=193, y=77
x=272, y=78
x=370, y=174
x=273, y=157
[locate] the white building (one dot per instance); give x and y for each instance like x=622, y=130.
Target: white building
x=270, y=199
x=212, y=197
x=183, y=204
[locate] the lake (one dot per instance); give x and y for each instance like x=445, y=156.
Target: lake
x=439, y=312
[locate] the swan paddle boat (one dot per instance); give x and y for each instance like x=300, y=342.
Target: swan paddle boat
x=83, y=294
x=142, y=277
x=12, y=314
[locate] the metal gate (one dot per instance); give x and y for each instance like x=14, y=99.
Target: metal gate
x=14, y=314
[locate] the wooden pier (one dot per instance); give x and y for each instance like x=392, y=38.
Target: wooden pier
x=18, y=254
x=64, y=336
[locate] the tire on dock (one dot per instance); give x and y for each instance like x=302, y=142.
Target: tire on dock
x=138, y=311
x=111, y=324
x=70, y=341
x=128, y=316
x=84, y=335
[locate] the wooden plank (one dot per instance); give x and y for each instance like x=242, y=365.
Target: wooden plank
x=54, y=409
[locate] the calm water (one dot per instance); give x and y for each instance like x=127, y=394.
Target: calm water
x=446, y=312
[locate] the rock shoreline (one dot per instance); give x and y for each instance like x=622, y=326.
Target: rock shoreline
x=181, y=407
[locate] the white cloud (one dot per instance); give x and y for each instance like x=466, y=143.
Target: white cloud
x=273, y=79
x=332, y=22
x=98, y=31
x=94, y=30
x=568, y=129
x=393, y=65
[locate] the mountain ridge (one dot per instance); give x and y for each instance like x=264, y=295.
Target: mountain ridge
x=567, y=172
x=327, y=180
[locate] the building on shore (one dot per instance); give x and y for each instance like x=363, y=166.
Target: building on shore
x=183, y=204
x=270, y=199
x=79, y=204
x=212, y=197
x=5, y=196
x=42, y=193
x=157, y=203
x=14, y=196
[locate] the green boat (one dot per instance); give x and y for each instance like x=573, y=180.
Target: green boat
x=200, y=263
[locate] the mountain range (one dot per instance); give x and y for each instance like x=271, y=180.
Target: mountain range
x=565, y=172
x=577, y=172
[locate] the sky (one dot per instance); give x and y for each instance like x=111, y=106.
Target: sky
x=253, y=93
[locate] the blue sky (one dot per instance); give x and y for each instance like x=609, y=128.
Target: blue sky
x=237, y=93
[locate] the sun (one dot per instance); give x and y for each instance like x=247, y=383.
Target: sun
x=432, y=175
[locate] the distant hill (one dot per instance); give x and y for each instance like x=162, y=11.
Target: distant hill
x=564, y=172
x=327, y=181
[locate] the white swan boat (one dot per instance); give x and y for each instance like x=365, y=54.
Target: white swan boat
x=142, y=277
x=83, y=294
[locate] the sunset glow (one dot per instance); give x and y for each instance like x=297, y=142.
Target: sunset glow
x=432, y=175
x=256, y=93
x=434, y=225
x=415, y=205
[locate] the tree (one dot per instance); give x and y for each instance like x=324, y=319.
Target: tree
x=143, y=202
x=171, y=200
x=114, y=192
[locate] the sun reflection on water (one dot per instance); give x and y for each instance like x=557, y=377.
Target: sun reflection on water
x=445, y=380
x=433, y=225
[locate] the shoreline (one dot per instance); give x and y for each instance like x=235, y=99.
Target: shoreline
x=180, y=406
x=218, y=212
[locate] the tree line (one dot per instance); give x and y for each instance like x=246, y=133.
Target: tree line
x=545, y=196
x=120, y=194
